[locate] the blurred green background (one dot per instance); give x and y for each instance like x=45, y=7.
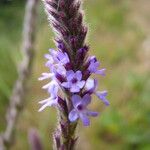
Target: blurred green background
x=119, y=36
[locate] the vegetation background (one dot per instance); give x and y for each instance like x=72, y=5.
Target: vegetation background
x=119, y=36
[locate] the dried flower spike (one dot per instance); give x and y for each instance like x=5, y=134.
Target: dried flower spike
x=70, y=70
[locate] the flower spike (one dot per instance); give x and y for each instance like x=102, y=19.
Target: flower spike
x=70, y=87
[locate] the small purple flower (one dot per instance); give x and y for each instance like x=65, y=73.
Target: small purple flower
x=57, y=68
x=52, y=87
x=63, y=58
x=50, y=61
x=53, y=90
x=91, y=87
x=57, y=72
x=93, y=66
x=74, y=81
x=51, y=101
x=59, y=57
x=80, y=109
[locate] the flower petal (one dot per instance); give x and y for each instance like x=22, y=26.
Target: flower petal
x=50, y=60
x=93, y=65
x=86, y=100
x=101, y=72
x=74, y=89
x=80, y=84
x=47, y=104
x=44, y=101
x=78, y=75
x=66, y=58
x=53, y=90
x=59, y=69
x=63, y=58
x=66, y=84
x=70, y=75
x=73, y=115
x=45, y=76
x=89, y=84
x=85, y=119
x=46, y=86
x=76, y=99
x=102, y=95
x=53, y=52
x=92, y=113
x=43, y=107
x=49, y=57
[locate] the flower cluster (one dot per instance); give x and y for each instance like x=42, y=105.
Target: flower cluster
x=71, y=75
x=70, y=68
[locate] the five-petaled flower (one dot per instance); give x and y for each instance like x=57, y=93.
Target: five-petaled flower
x=91, y=87
x=57, y=57
x=74, y=81
x=80, y=109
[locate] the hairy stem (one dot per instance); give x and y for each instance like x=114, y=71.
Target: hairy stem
x=64, y=135
x=66, y=20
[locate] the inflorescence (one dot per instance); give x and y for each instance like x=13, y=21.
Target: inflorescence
x=77, y=84
x=70, y=66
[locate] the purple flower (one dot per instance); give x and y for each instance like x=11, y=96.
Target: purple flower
x=51, y=101
x=59, y=57
x=50, y=60
x=53, y=90
x=91, y=87
x=63, y=58
x=93, y=66
x=52, y=87
x=57, y=68
x=57, y=72
x=80, y=109
x=74, y=81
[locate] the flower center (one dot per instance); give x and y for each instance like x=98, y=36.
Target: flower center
x=74, y=80
x=80, y=107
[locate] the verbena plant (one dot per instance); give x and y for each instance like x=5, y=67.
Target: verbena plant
x=71, y=67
